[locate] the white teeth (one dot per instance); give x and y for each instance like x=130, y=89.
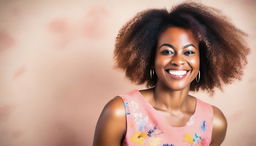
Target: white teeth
x=177, y=72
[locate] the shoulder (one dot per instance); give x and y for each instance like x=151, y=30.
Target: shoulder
x=219, y=126
x=115, y=108
x=111, y=124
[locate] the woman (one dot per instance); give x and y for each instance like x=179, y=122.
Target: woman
x=190, y=48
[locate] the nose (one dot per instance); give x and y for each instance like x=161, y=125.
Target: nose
x=177, y=60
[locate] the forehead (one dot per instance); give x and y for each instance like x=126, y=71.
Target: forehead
x=177, y=36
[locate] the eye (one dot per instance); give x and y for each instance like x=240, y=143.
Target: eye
x=188, y=53
x=167, y=52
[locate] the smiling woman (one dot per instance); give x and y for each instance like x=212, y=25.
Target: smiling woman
x=176, y=58
x=189, y=48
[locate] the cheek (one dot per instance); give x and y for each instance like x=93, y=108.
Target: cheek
x=195, y=62
x=161, y=61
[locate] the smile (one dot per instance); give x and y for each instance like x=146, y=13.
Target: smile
x=177, y=74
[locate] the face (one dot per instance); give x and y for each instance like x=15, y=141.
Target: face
x=177, y=58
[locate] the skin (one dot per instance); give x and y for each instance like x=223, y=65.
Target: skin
x=177, y=49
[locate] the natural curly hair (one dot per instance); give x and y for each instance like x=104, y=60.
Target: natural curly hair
x=222, y=47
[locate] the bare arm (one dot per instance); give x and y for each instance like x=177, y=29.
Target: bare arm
x=219, y=127
x=111, y=125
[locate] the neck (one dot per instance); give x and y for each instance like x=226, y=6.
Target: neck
x=170, y=100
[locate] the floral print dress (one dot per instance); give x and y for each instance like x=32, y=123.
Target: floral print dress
x=146, y=127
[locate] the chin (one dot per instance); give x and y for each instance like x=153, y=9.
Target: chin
x=176, y=86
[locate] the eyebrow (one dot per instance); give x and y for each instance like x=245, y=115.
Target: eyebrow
x=167, y=45
x=188, y=45
x=171, y=46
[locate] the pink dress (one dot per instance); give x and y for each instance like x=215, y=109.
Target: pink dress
x=146, y=127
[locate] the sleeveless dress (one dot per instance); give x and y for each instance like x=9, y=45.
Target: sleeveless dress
x=146, y=127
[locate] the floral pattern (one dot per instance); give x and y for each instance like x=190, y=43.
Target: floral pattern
x=139, y=137
x=154, y=141
x=147, y=133
x=196, y=139
x=203, y=126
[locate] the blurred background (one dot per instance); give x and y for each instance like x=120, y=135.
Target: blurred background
x=57, y=70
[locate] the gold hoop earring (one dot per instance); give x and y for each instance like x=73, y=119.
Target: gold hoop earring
x=198, y=77
x=151, y=73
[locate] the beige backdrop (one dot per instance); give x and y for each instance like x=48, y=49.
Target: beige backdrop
x=56, y=69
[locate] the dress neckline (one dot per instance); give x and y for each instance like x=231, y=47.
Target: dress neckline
x=190, y=122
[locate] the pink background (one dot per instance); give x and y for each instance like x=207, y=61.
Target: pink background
x=57, y=72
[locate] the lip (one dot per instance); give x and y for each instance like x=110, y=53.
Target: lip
x=177, y=77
